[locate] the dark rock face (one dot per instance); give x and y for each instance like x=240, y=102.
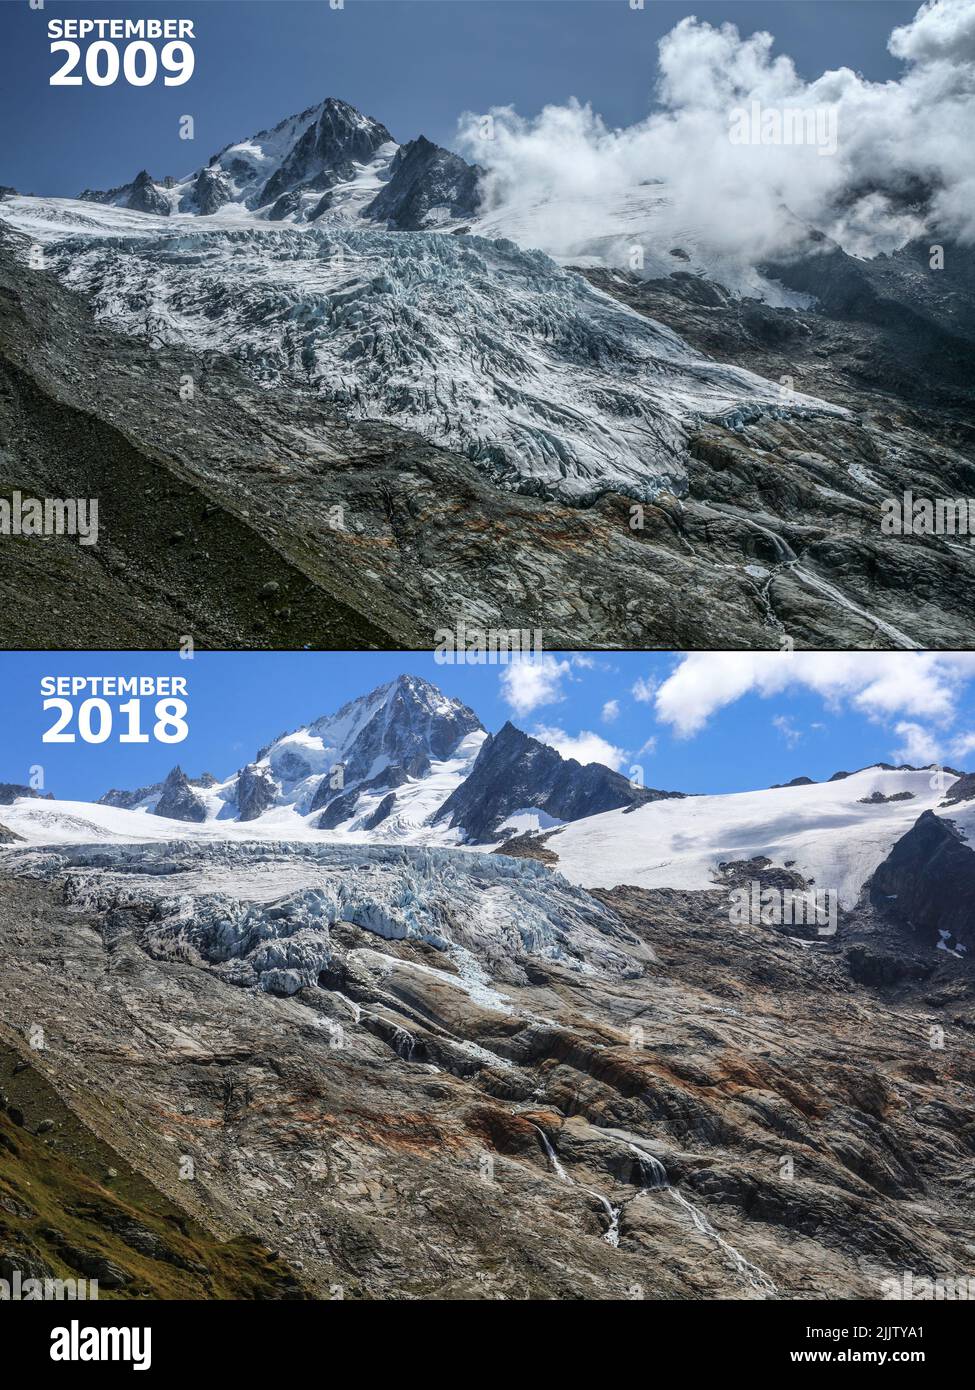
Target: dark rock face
x=925, y=317
x=339, y=809
x=325, y=794
x=413, y=725
x=381, y=812
x=141, y=195
x=256, y=791
x=880, y=970
x=513, y=771
x=962, y=790
x=796, y=782
x=338, y=801
x=879, y=799
x=7, y=836
x=104, y=195
x=126, y=800
x=927, y=882
x=424, y=176
x=177, y=801
x=327, y=150
x=211, y=190
x=528, y=846
x=287, y=204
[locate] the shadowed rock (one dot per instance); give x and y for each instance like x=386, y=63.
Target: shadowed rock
x=513, y=772
x=927, y=881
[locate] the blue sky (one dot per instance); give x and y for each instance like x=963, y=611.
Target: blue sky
x=416, y=65
x=705, y=723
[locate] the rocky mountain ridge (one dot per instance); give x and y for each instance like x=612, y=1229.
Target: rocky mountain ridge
x=375, y=754
x=514, y=772
x=328, y=160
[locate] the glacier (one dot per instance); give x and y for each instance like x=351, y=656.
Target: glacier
x=548, y=385
x=260, y=913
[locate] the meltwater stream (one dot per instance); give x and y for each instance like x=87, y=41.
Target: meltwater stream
x=550, y=1154
x=653, y=1178
x=612, y=1233
x=749, y=1272
x=754, y=1276
x=653, y=1174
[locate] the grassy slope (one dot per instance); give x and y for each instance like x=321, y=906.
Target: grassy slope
x=57, y=1198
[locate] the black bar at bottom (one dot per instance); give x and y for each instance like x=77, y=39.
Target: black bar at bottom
x=730, y=1336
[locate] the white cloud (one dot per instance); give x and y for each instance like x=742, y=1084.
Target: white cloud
x=643, y=689
x=938, y=32
x=585, y=747
x=649, y=747
x=878, y=684
x=568, y=177
x=920, y=745
x=962, y=745
x=525, y=685
x=611, y=711
x=787, y=729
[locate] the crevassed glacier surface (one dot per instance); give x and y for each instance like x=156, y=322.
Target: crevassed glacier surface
x=543, y=381
x=261, y=913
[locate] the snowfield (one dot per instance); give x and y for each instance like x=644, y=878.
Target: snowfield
x=606, y=230
x=822, y=830
x=85, y=822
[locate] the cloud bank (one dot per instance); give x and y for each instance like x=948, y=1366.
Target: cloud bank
x=906, y=686
x=903, y=164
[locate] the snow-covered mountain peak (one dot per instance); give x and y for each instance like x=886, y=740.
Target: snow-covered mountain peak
x=302, y=157
x=329, y=164
x=384, y=761
x=285, y=172
x=407, y=722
